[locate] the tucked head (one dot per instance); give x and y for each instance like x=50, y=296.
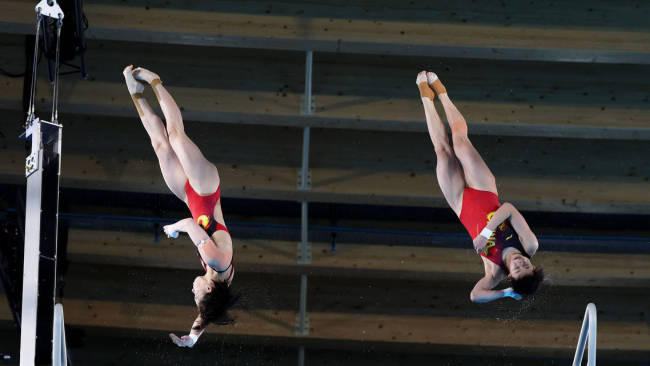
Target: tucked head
x=519, y=266
x=524, y=275
x=200, y=287
x=213, y=299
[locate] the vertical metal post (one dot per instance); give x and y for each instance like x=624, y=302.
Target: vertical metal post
x=301, y=356
x=302, y=320
x=308, y=78
x=304, y=247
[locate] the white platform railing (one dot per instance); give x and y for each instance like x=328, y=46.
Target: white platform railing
x=587, y=337
x=59, y=353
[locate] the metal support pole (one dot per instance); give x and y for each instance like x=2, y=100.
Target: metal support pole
x=304, y=178
x=302, y=319
x=304, y=184
x=308, y=72
x=308, y=99
x=304, y=247
x=301, y=356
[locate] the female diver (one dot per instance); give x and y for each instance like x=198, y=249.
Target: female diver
x=500, y=233
x=194, y=180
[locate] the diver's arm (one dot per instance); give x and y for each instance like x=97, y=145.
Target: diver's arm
x=528, y=238
x=196, y=232
x=482, y=291
x=502, y=214
x=508, y=212
x=215, y=256
x=190, y=339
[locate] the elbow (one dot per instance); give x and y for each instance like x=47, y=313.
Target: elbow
x=510, y=208
x=532, y=248
x=479, y=296
x=473, y=297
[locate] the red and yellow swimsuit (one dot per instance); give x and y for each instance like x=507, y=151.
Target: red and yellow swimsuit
x=477, y=210
x=202, y=209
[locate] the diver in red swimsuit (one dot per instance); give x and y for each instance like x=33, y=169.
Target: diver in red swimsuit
x=194, y=180
x=499, y=232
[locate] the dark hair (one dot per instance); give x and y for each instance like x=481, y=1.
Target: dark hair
x=527, y=285
x=213, y=307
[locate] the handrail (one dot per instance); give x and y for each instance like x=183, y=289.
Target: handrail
x=588, y=337
x=59, y=352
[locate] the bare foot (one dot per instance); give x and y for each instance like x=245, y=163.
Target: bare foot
x=145, y=75
x=133, y=85
x=422, y=78
x=435, y=83
x=423, y=86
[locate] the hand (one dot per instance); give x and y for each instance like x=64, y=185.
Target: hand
x=171, y=231
x=509, y=292
x=184, y=341
x=479, y=243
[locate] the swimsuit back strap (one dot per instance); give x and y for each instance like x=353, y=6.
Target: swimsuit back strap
x=227, y=268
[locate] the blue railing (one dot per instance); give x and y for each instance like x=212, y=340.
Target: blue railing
x=59, y=349
x=587, y=338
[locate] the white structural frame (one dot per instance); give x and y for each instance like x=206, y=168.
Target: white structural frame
x=587, y=338
x=31, y=253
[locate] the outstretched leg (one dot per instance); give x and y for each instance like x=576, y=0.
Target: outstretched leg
x=202, y=174
x=477, y=173
x=170, y=166
x=448, y=172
